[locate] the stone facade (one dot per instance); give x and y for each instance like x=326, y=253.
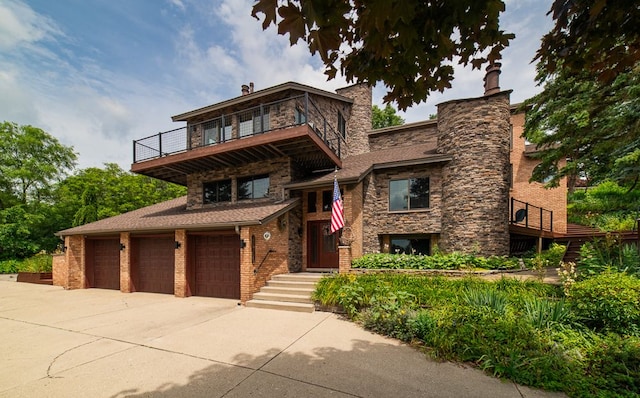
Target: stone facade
x=410, y=134
x=379, y=221
x=280, y=172
x=475, y=197
x=126, y=284
x=74, y=259
x=59, y=270
x=359, y=124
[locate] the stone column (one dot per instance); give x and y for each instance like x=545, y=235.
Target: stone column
x=475, y=192
x=359, y=121
x=75, y=258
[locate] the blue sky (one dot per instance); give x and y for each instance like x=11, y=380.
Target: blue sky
x=98, y=74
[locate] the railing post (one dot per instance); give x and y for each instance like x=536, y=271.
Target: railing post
x=160, y=144
x=541, y=221
x=526, y=218
x=306, y=107
x=261, y=118
x=134, y=151
x=324, y=119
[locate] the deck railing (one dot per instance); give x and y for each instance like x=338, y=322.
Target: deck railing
x=527, y=215
x=261, y=119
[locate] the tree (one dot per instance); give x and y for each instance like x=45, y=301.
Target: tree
x=384, y=117
x=31, y=161
x=597, y=36
x=593, y=125
x=410, y=45
x=89, y=210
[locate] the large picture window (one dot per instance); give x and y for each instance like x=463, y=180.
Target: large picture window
x=253, y=187
x=400, y=244
x=409, y=194
x=216, y=192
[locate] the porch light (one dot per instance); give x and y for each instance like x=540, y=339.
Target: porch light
x=178, y=245
x=122, y=246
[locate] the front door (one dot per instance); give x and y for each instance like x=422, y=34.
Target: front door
x=322, y=245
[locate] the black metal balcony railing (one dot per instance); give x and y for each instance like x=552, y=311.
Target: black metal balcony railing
x=529, y=216
x=262, y=119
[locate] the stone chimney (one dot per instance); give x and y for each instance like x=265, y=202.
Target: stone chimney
x=492, y=79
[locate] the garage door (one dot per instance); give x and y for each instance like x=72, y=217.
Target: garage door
x=102, y=260
x=215, y=265
x=152, y=260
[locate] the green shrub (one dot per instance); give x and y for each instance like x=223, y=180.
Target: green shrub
x=608, y=302
x=488, y=299
x=544, y=314
x=453, y=261
x=609, y=252
x=38, y=263
x=10, y=266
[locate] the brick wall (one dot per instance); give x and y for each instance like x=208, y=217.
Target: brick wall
x=59, y=270
x=554, y=199
x=126, y=284
x=181, y=285
x=267, y=265
x=359, y=121
x=475, y=197
x=378, y=220
x=74, y=258
x=412, y=134
x=280, y=173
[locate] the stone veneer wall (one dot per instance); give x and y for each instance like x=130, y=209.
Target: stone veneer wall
x=60, y=270
x=359, y=123
x=402, y=136
x=74, y=258
x=475, y=197
x=378, y=220
x=280, y=173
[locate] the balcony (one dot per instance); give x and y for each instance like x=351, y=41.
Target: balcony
x=527, y=219
x=294, y=127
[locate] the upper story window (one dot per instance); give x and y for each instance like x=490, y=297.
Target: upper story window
x=342, y=125
x=217, y=191
x=409, y=194
x=253, y=122
x=299, y=116
x=255, y=187
x=216, y=131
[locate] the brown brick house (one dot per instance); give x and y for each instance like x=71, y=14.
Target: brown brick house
x=259, y=170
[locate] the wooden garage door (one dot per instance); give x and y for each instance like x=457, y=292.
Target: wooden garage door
x=102, y=261
x=215, y=265
x=152, y=260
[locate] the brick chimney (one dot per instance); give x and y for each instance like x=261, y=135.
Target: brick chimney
x=492, y=79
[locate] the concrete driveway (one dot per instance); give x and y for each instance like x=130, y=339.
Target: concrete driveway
x=101, y=343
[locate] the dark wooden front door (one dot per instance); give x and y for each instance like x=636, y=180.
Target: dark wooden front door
x=102, y=260
x=322, y=245
x=215, y=265
x=152, y=263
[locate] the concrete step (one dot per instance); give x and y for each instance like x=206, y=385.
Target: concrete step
x=291, y=284
x=298, y=277
x=281, y=305
x=289, y=298
x=288, y=290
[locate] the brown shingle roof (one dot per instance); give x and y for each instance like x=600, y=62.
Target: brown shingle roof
x=173, y=214
x=355, y=168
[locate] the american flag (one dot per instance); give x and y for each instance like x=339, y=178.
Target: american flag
x=337, y=211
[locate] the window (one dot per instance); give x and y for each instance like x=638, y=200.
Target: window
x=253, y=122
x=409, y=194
x=312, y=198
x=216, y=131
x=327, y=199
x=342, y=125
x=253, y=187
x=410, y=245
x=299, y=116
x=216, y=192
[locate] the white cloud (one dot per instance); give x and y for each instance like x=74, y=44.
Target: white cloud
x=19, y=25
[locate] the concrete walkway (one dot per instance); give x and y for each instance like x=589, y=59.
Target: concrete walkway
x=101, y=343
